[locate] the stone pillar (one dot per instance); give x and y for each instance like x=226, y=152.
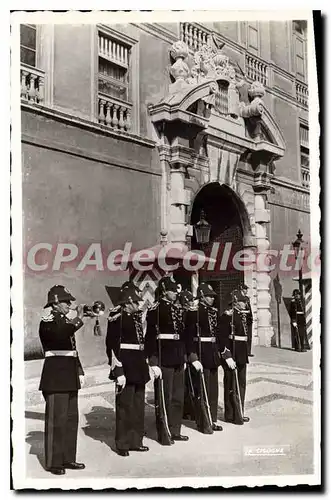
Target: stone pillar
x=262, y=219
x=178, y=202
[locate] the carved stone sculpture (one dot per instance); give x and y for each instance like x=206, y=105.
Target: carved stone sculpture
x=179, y=70
x=255, y=108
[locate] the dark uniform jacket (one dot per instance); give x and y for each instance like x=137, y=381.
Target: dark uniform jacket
x=249, y=315
x=297, y=314
x=60, y=373
x=237, y=349
x=297, y=311
x=204, y=321
x=127, y=329
x=166, y=317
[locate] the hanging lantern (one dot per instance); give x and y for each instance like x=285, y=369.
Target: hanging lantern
x=202, y=229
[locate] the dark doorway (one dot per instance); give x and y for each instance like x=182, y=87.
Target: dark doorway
x=225, y=213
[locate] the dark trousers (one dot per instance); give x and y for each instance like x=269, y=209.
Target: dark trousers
x=130, y=415
x=299, y=337
x=249, y=338
x=173, y=382
x=228, y=384
x=61, y=427
x=211, y=381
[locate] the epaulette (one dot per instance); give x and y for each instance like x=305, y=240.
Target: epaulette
x=48, y=317
x=193, y=307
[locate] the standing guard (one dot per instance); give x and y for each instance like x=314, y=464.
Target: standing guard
x=235, y=359
x=165, y=348
x=204, y=343
x=298, y=323
x=125, y=351
x=249, y=318
x=61, y=378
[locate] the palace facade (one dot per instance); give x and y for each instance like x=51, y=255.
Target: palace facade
x=130, y=131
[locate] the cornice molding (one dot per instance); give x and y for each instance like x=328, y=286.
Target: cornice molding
x=86, y=124
x=111, y=161
x=157, y=30
x=289, y=184
x=118, y=35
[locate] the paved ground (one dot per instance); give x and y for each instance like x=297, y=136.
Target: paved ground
x=279, y=402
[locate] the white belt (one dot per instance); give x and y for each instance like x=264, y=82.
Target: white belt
x=205, y=339
x=237, y=337
x=168, y=336
x=135, y=347
x=300, y=312
x=61, y=353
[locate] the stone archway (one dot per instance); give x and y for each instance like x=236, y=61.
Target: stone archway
x=210, y=125
x=230, y=230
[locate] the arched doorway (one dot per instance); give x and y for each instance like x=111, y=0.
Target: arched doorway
x=227, y=215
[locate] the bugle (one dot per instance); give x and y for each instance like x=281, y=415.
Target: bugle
x=96, y=309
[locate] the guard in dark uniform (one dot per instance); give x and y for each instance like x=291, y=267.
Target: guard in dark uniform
x=165, y=325
x=203, y=321
x=61, y=379
x=298, y=323
x=233, y=330
x=249, y=318
x=126, y=355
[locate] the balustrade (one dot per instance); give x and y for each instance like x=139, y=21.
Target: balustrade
x=302, y=93
x=115, y=114
x=193, y=36
x=305, y=178
x=32, y=84
x=256, y=70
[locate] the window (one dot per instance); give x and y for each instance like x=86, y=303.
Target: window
x=253, y=37
x=304, y=155
x=299, y=47
x=113, y=78
x=28, y=44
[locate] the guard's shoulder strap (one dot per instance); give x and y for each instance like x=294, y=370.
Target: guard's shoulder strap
x=154, y=306
x=47, y=317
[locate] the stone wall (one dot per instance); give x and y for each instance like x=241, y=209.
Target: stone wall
x=76, y=192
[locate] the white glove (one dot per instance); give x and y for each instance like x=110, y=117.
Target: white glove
x=231, y=363
x=121, y=381
x=157, y=372
x=198, y=366
x=82, y=380
x=295, y=324
x=185, y=365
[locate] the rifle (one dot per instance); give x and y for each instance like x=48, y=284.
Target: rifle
x=199, y=396
x=238, y=416
x=162, y=427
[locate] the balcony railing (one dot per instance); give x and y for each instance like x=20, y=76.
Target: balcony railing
x=256, y=70
x=305, y=177
x=114, y=113
x=193, y=36
x=32, y=84
x=302, y=93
